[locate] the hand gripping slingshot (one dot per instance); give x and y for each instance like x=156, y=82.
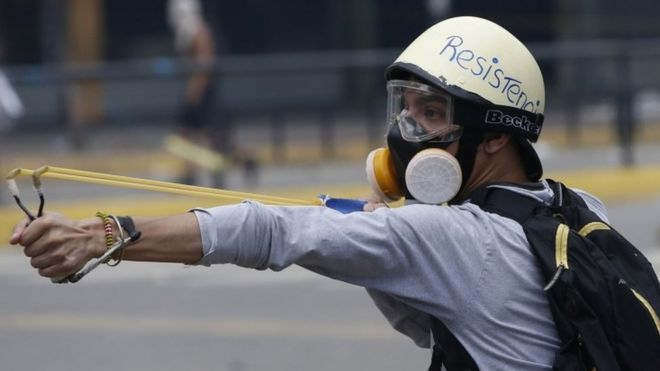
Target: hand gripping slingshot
x=127, y=182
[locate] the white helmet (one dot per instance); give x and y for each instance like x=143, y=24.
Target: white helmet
x=494, y=80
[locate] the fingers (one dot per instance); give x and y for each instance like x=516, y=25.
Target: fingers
x=57, y=246
x=374, y=198
x=63, y=268
x=59, y=261
x=36, y=229
x=372, y=206
x=18, y=230
x=40, y=236
x=47, y=259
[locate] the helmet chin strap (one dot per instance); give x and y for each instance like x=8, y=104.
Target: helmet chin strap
x=467, y=152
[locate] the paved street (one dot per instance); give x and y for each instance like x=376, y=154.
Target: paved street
x=169, y=317
x=166, y=317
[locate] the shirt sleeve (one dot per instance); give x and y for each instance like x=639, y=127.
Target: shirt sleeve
x=376, y=250
x=402, y=317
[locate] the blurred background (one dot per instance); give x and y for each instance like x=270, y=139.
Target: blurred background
x=275, y=97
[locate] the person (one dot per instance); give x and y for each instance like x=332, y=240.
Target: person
x=464, y=101
x=194, y=39
x=11, y=107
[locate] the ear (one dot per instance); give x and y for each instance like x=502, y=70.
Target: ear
x=493, y=142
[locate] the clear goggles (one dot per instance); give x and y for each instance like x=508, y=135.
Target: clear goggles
x=423, y=113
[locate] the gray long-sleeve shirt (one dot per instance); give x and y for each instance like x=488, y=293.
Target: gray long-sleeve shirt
x=471, y=269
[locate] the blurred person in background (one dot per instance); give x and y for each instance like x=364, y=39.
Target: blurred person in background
x=193, y=39
x=11, y=107
x=464, y=101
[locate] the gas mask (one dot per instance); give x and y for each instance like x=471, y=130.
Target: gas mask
x=415, y=164
x=423, y=171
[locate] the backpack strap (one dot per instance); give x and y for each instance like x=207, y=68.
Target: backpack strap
x=579, y=330
x=448, y=351
x=505, y=202
x=565, y=196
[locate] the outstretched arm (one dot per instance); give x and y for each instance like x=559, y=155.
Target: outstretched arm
x=58, y=247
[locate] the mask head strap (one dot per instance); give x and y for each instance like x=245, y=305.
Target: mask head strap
x=467, y=152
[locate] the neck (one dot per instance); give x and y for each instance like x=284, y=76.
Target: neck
x=503, y=165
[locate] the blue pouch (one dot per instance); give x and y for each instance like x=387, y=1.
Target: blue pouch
x=343, y=205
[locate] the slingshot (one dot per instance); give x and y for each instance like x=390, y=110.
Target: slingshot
x=136, y=183
x=126, y=182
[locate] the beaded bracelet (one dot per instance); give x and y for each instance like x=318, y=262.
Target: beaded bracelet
x=107, y=226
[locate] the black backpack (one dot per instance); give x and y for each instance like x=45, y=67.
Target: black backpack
x=603, y=293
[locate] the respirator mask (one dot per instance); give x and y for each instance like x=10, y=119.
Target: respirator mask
x=415, y=164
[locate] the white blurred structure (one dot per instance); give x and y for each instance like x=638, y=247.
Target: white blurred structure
x=439, y=9
x=185, y=19
x=11, y=107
